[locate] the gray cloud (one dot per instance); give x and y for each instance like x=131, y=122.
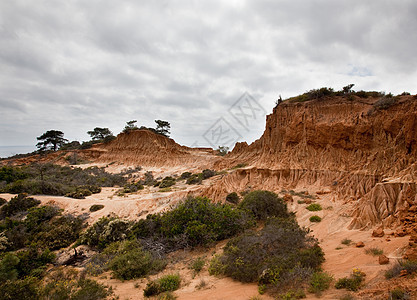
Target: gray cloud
x=75, y=65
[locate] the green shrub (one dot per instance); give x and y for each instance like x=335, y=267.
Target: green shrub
x=195, y=179
x=185, y=175
x=19, y=203
x=167, y=182
x=25, y=289
x=351, y=283
x=385, y=102
x=58, y=180
x=233, y=198
x=409, y=265
x=374, y=251
x=8, y=267
x=105, y=231
x=71, y=285
x=2, y=201
x=264, y=204
x=315, y=219
x=167, y=296
x=281, y=255
x=314, y=207
x=207, y=173
x=169, y=282
x=133, y=187
x=293, y=294
x=193, y=222
x=398, y=294
x=320, y=281
x=33, y=261
x=59, y=232
x=346, y=241
x=166, y=283
x=131, y=261
x=217, y=267
x=96, y=207
x=239, y=166
x=197, y=265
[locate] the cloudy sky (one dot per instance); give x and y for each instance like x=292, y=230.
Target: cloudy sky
x=75, y=65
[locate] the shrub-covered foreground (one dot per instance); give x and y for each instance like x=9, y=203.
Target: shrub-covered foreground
x=50, y=179
x=281, y=255
x=28, y=233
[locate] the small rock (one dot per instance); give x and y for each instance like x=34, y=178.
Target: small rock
x=388, y=239
x=411, y=254
x=308, y=201
x=379, y=232
x=400, y=233
x=360, y=245
x=288, y=198
x=403, y=273
x=383, y=260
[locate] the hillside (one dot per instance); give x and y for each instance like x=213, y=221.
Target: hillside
x=362, y=149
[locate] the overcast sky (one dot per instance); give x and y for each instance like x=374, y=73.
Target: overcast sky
x=75, y=65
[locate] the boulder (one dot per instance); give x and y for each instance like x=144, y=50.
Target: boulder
x=379, y=232
x=383, y=260
x=288, y=198
x=360, y=245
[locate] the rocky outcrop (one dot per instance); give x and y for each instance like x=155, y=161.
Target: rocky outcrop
x=146, y=148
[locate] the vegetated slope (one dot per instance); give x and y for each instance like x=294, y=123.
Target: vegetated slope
x=364, y=149
x=144, y=147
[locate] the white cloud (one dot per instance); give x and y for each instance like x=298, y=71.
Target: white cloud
x=75, y=65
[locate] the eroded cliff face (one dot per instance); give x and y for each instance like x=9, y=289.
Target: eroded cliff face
x=363, y=152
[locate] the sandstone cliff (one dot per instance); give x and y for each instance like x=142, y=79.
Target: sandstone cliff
x=363, y=149
x=146, y=148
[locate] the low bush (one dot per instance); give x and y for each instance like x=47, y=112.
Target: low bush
x=69, y=284
x=19, y=203
x=166, y=283
x=374, y=251
x=197, y=265
x=399, y=294
x=233, y=198
x=403, y=264
x=319, y=282
x=96, y=207
x=105, y=231
x=207, y=173
x=193, y=222
x=281, y=255
x=264, y=204
x=133, y=187
x=27, y=288
x=2, y=201
x=50, y=179
x=185, y=175
x=353, y=282
x=131, y=261
x=314, y=207
x=293, y=294
x=195, y=179
x=167, y=182
x=315, y=219
x=346, y=241
x=385, y=102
